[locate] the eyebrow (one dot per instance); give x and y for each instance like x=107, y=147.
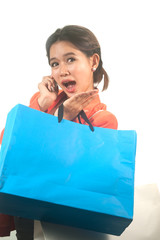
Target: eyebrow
x=65, y=55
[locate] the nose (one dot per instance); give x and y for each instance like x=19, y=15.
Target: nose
x=64, y=70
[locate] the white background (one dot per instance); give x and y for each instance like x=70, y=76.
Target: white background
x=129, y=34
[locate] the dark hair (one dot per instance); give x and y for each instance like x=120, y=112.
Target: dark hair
x=86, y=42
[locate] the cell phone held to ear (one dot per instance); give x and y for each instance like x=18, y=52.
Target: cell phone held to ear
x=54, y=88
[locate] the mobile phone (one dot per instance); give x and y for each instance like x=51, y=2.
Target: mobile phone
x=56, y=86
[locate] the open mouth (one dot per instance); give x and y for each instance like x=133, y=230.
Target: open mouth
x=69, y=85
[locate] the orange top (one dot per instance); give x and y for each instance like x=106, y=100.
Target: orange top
x=96, y=111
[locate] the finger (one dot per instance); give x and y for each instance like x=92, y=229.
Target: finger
x=50, y=87
x=43, y=86
x=88, y=93
x=47, y=78
x=91, y=92
x=80, y=97
x=48, y=83
x=88, y=100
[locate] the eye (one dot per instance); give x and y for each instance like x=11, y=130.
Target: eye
x=54, y=64
x=71, y=59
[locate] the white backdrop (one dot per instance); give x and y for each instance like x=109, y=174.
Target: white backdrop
x=128, y=31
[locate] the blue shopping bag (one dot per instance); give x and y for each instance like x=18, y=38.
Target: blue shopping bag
x=66, y=174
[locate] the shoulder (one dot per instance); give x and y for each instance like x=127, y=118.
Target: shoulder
x=99, y=116
x=105, y=119
x=34, y=97
x=34, y=101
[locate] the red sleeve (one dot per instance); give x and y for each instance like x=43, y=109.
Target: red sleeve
x=104, y=119
x=34, y=101
x=6, y=225
x=1, y=136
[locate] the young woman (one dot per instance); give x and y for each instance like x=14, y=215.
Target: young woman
x=74, y=55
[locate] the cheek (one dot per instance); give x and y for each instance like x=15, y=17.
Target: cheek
x=54, y=74
x=85, y=72
x=80, y=69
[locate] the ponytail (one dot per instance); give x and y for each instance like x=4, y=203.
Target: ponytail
x=100, y=74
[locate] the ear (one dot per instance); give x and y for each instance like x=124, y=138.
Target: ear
x=95, y=61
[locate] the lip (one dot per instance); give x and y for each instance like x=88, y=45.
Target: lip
x=67, y=80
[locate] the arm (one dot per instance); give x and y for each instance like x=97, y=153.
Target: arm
x=1, y=136
x=34, y=101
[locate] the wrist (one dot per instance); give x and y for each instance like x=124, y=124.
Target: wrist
x=43, y=103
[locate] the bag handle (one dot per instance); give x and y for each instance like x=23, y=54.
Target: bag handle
x=81, y=113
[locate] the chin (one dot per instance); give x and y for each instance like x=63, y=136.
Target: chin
x=70, y=94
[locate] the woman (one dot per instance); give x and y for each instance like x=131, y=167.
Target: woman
x=74, y=55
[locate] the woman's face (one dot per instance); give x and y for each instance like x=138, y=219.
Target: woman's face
x=71, y=69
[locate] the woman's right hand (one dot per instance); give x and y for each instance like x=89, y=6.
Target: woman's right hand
x=48, y=93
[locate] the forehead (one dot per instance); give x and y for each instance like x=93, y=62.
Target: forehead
x=62, y=47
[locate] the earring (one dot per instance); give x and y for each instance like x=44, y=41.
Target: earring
x=94, y=69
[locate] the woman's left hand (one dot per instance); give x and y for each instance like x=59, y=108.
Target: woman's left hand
x=76, y=103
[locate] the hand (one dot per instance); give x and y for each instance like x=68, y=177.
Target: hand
x=48, y=92
x=76, y=103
